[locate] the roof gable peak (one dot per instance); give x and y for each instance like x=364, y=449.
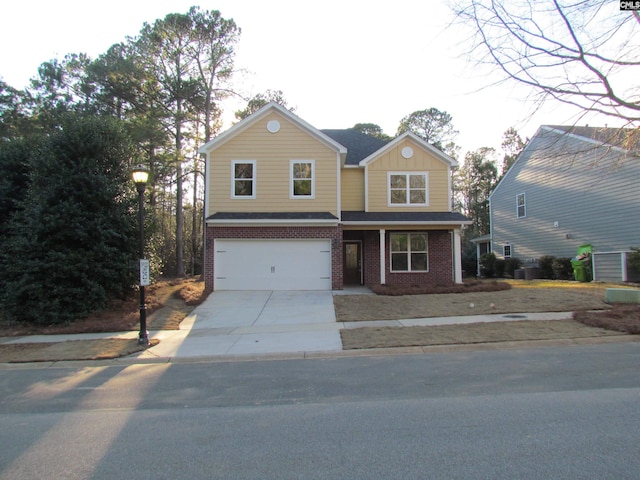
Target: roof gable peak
x=624, y=139
x=262, y=113
x=451, y=162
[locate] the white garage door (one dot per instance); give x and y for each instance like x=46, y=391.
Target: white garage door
x=272, y=265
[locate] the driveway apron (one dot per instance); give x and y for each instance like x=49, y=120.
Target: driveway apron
x=241, y=323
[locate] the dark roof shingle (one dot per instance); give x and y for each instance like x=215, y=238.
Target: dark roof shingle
x=272, y=216
x=359, y=145
x=400, y=217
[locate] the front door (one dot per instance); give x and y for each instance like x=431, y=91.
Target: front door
x=353, y=263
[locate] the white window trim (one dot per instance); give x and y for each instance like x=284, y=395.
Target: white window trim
x=408, y=202
x=233, y=180
x=408, y=252
x=504, y=250
x=524, y=205
x=313, y=180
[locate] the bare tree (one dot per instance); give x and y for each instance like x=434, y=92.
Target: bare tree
x=585, y=53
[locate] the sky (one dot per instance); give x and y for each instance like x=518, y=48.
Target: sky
x=337, y=62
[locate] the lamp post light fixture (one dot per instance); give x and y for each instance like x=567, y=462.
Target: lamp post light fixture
x=140, y=176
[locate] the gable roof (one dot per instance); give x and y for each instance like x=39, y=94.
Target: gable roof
x=624, y=138
x=355, y=148
x=359, y=145
x=421, y=142
x=260, y=114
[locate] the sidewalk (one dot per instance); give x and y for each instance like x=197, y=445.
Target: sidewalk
x=300, y=340
x=289, y=340
x=284, y=324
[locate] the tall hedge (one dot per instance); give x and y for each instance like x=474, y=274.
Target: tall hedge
x=71, y=243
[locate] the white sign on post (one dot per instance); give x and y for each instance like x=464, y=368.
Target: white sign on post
x=145, y=276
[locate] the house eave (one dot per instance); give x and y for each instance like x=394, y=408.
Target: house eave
x=272, y=223
x=416, y=223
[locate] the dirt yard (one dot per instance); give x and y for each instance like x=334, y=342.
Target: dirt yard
x=596, y=318
x=169, y=302
x=473, y=333
x=524, y=296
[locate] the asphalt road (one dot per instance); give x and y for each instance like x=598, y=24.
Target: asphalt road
x=562, y=412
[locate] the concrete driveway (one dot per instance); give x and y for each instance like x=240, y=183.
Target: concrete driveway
x=246, y=323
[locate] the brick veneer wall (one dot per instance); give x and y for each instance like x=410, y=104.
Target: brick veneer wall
x=371, y=257
x=440, y=261
x=285, y=233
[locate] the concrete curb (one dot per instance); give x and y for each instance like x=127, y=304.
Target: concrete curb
x=373, y=352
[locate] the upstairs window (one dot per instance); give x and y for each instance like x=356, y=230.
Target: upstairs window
x=302, y=179
x=409, y=252
x=408, y=189
x=521, y=205
x=244, y=179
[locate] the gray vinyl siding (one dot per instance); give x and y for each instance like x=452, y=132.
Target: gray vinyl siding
x=608, y=267
x=592, y=194
x=611, y=267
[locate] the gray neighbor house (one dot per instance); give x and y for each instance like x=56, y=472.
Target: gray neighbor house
x=570, y=186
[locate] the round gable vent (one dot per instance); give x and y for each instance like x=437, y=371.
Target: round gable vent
x=407, y=152
x=273, y=126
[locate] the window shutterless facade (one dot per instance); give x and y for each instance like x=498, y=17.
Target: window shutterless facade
x=521, y=205
x=506, y=251
x=409, y=252
x=408, y=189
x=302, y=179
x=244, y=179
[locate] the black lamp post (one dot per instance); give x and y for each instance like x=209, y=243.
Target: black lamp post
x=140, y=176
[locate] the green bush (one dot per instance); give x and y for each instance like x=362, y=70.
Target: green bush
x=70, y=245
x=633, y=259
x=470, y=260
x=512, y=264
x=545, y=264
x=487, y=265
x=562, y=269
x=498, y=267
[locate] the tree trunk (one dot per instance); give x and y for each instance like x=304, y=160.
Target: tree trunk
x=194, y=218
x=179, y=199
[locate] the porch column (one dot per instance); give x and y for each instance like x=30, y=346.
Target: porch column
x=457, y=257
x=383, y=265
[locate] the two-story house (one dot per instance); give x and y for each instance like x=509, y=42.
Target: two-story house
x=570, y=186
x=291, y=207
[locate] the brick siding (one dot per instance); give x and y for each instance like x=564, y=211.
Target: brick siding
x=440, y=252
x=440, y=261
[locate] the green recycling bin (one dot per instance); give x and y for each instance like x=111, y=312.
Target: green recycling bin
x=579, y=271
x=582, y=263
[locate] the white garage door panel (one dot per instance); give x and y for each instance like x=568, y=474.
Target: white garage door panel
x=272, y=265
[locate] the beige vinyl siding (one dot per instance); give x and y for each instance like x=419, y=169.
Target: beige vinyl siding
x=353, y=189
x=422, y=161
x=273, y=153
